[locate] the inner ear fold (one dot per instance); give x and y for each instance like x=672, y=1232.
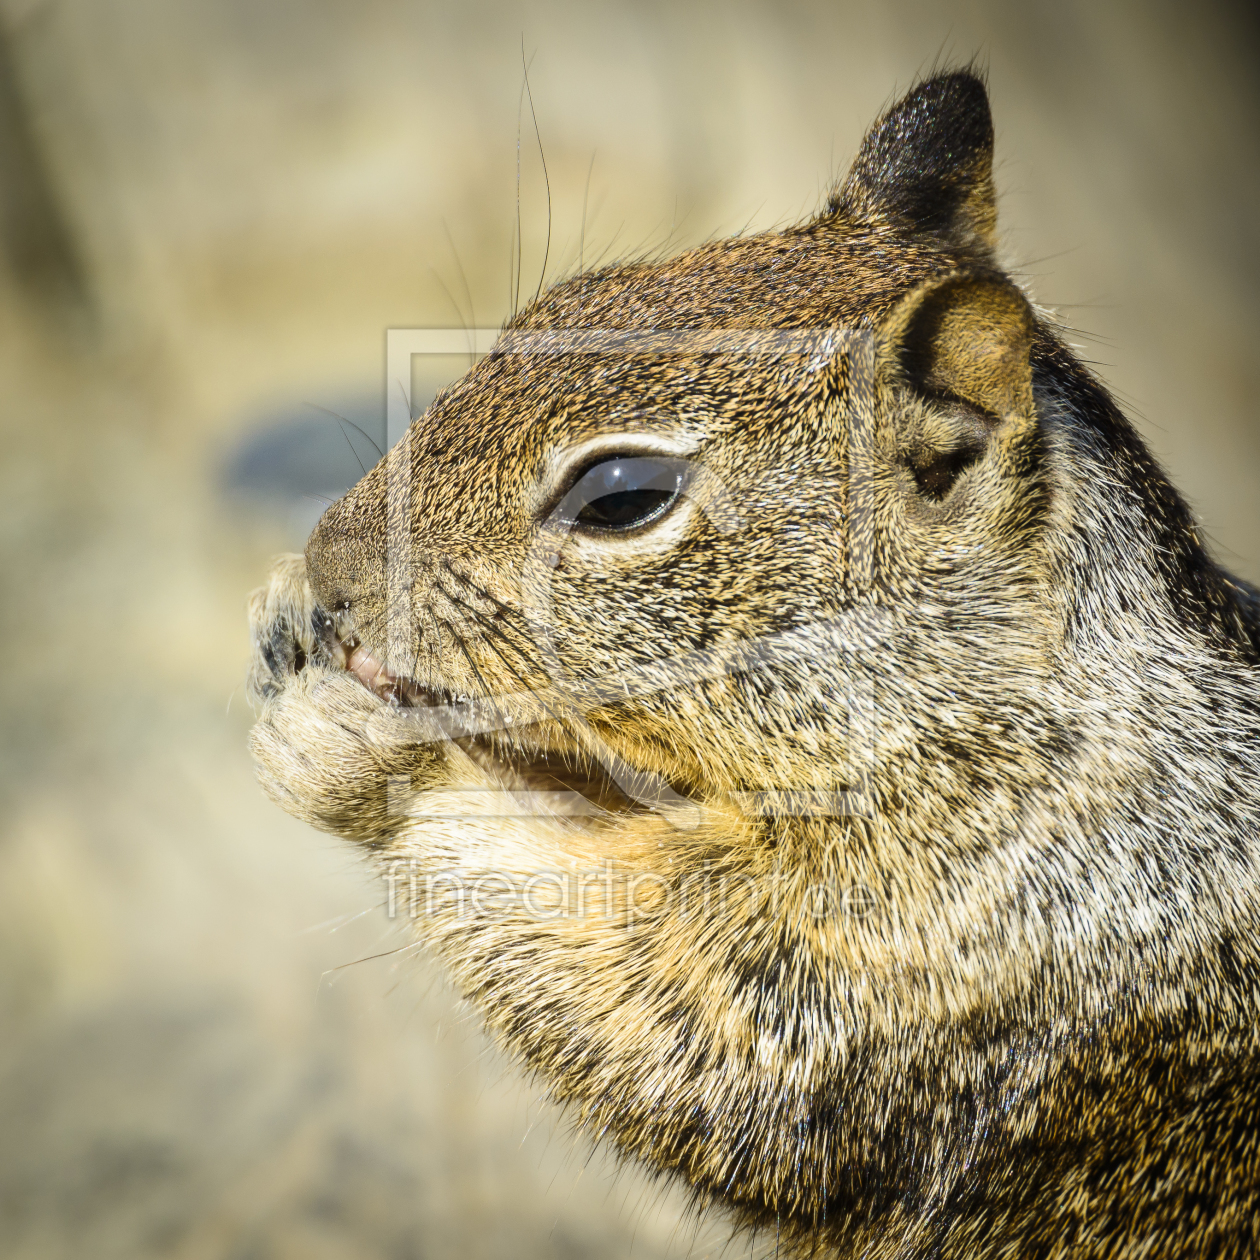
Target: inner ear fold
x=943, y=444
x=963, y=342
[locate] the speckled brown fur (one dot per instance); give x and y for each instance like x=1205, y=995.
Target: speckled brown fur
x=1042, y=1038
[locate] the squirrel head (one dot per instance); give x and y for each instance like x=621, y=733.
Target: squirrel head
x=756, y=439
x=802, y=562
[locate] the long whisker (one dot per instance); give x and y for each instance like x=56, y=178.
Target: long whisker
x=455, y=306
x=564, y=721
x=500, y=624
x=520, y=105
x=500, y=631
x=497, y=631
x=481, y=682
x=367, y=437
x=489, y=596
x=512, y=669
x=520, y=644
x=350, y=444
x=546, y=177
x=575, y=722
x=463, y=279
x=487, y=623
x=490, y=626
x=582, y=237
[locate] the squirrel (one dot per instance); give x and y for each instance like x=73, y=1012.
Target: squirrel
x=782, y=688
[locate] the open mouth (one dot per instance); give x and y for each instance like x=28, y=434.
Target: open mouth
x=355, y=659
x=538, y=754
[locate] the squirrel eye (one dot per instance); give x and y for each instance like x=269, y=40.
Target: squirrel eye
x=624, y=492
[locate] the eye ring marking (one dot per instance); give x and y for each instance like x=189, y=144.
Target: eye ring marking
x=621, y=494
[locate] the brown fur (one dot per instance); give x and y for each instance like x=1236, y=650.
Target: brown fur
x=1011, y=651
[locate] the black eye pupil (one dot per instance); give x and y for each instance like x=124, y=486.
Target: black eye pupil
x=624, y=509
x=624, y=493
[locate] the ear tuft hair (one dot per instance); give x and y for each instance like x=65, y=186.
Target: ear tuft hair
x=926, y=167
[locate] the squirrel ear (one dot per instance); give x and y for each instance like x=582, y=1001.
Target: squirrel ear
x=965, y=339
x=966, y=336
x=926, y=167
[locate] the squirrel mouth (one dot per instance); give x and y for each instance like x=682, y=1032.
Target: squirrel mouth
x=520, y=756
x=355, y=659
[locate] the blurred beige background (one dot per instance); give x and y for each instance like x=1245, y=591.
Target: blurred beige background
x=210, y=211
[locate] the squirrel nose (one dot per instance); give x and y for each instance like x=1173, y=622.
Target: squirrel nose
x=345, y=554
